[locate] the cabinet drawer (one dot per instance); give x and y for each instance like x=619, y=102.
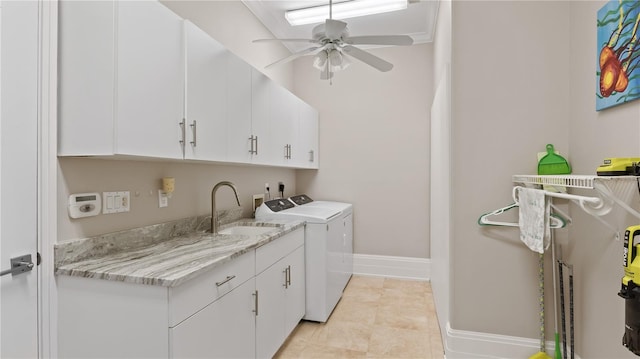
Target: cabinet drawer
x=279, y=248
x=188, y=298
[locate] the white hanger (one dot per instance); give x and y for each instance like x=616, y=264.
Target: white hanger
x=555, y=221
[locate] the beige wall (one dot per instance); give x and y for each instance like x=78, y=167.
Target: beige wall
x=596, y=257
x=232, y=24
x=374, y=131
x=510, y=97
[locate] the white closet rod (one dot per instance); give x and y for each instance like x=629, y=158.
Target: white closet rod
x=594, y=206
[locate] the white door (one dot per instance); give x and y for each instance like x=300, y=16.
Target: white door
x=18, y=175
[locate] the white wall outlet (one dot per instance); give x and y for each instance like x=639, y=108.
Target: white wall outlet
x=163, y=199
x=116, y=202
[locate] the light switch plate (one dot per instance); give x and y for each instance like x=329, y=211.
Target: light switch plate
x=163, y=199
x=116, y=202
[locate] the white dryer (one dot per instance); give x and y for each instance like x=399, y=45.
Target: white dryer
x=328, y=249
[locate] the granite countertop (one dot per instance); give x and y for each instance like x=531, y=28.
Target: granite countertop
x=166, y=255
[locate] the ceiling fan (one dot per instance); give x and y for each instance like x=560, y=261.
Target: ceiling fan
x=331, y=42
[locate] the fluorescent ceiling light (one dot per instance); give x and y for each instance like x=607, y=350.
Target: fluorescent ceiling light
x=343, y=10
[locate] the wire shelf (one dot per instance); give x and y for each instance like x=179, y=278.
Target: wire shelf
x=571, y=181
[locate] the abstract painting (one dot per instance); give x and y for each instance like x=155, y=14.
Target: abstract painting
x=618, y=54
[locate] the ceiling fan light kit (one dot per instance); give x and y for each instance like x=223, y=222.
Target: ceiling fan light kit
x=332, y=43
x=343, y=10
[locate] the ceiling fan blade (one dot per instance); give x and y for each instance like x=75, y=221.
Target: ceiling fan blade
x=398, y=40
x=333, y=28
x=285, y=40
x=294, y=56
x=368, y=58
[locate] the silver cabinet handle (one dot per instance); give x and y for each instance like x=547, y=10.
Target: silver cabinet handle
x=229, y=277
x=255, y=294
x=311, y=156
x=286, y=282
x=19, y=265
x=193, y=129
x=182, y=129
x=287, y=151
x=287, y=277
x=253, y=150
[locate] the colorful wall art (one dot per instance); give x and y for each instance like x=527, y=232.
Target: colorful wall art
x=618, y=54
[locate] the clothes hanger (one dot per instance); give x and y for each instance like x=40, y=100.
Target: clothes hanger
x=555, y=221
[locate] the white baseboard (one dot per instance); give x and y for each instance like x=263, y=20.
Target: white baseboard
x=461, y=344
x=392, y=267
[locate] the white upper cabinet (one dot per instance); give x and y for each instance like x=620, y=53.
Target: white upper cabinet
x=241, y=144
x=86, y=78
x=150, y=80
x=307, y=148
x=261, y=106
x=205, y=96
x=136, y=80
x=284, y=126
x=130, y=106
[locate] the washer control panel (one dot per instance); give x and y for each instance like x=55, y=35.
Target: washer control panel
x=301, y=199
x=277, y=205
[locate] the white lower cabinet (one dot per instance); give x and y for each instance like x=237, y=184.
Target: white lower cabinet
x=223, y=329
x=244, y=308
x=281, y=290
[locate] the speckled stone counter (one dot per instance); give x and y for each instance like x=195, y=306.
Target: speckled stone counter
x=166, y=254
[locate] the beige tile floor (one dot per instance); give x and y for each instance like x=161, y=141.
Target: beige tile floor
x=376, y=318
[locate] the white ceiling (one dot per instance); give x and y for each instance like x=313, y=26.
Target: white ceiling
x=418, y=20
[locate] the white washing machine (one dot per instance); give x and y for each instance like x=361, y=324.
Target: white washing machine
x=328, y=249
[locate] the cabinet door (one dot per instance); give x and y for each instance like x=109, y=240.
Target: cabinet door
x=307, y=155
x=284, y=126
x=150, y=77
x=238, y=110
x=205, y=96
x=86, y=46
x=262, y=104
x=270, y=319
x=223, y=329
x=295, y=291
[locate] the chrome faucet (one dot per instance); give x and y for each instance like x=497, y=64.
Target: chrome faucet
x=214, y=215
